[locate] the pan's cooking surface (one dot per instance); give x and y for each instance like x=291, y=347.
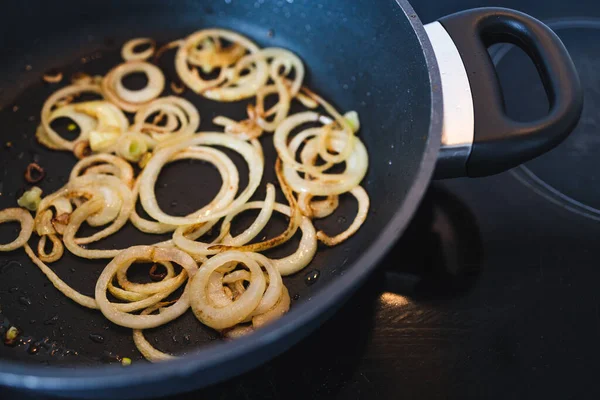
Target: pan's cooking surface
x=391, y=95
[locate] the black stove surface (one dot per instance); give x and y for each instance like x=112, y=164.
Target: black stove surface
x=493, y=290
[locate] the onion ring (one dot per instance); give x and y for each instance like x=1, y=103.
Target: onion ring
x=182, y=112
x=148, y=351
x=230, y=315
x=363, y=209
x=57, y=248
x=22, y=217
x=125, y=171
x=128, y=50
x=150, y=174
x=48, y=115
x=133, y=100
x=153, y=254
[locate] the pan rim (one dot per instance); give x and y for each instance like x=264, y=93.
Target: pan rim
x=292, y=326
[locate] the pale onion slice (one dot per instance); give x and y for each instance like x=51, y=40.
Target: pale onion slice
x=128, y=50
x=270, y=297
x=125, y=295
x=84, y=122
x=307, y=247
x=81, y=299
x=236, y=312
x=239, y=87
x=117, y=204
x=363, y=209
x=217, y=294
x=250, y=153
x=148, y=288
x=77, y=218
x=281, y=109
x=145, y=253
x=109, y=117
x=274, y=288
x=24, y=219
x=229, y=186
x=247, y=129
x=285, y=235
x=102, y=169
x=111, y=123
x=132, y=296
x=145, y=225
x=348, y=130
x=133, y=100
x=287, y=152
x=187, y=242
x=149, y=352
x=49, y=113
x=42, y=137
x=277, y=311
x=183, y=118
x=333, y=184
x=238, y=275
x=257, y=226
x=280, y=58
x=112, y=205
x=125, y=171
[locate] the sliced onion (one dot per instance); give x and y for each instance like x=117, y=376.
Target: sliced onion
x=257, y=226
x=285, y=235
x=363, y=209
x=281, y=307
x=208, y=88
x=132, y=146
x=149, y=288
x=133, y=100
x=77, y=218
x=238, y=310
x=128, y=50
x=275, y=287
x=150, y=174
x=183, y=114
x=117, y=205
x=148, y=351
x=229, y=187
x=22, y=217
x=57, y=248
x=125, y=171
x=49, y=114
x=81, y=299
x=306, y=249
x=145, y=253
x=356, y=168
x=347, y=131
x=319, y=208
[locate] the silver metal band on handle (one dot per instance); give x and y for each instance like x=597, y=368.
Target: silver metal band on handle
x=458, y=113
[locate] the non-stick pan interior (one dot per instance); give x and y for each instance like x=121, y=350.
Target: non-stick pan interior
x=361, y=56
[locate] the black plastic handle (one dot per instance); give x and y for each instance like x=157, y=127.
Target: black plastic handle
x=501, y=143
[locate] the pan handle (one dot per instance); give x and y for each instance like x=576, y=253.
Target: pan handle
x=478, y=137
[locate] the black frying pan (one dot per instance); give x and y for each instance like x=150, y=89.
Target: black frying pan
x=412, y=93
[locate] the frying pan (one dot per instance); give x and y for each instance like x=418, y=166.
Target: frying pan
x=427, y=96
